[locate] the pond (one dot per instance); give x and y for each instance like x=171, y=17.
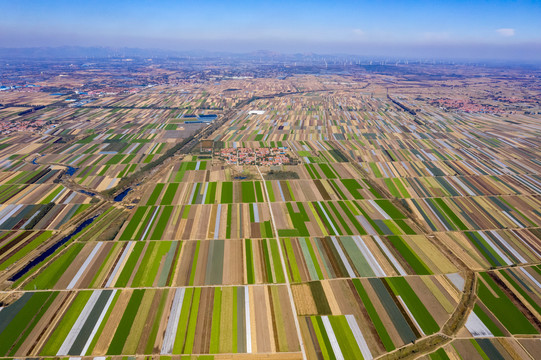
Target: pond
x=122, y=195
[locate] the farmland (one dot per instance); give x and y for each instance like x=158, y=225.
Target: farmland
x=105, y=322
x=383, y=231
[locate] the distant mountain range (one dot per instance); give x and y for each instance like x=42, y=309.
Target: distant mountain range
x=101, y=52
x=80, y=52
x=266, y=56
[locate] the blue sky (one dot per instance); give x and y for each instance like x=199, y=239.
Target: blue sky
x=462, y=28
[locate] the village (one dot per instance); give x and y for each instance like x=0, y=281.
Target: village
x=255, y=156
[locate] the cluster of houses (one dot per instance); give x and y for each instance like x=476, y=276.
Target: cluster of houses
x=255, y=156
x=465, y=106
x=8, y=127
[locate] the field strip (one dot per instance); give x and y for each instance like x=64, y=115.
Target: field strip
x=332, y=338
x=262, y=355
x=172, y=324
x=528, y=263
x=476, y=327
x=116, y=272
x=247, y=318
x=343, y=257
x=98, y=322
x=150, y=223
x=75, y=290
x=284, y=269
x=84, y=266
x=4, y=292
x=79, y=323
x=357, y=333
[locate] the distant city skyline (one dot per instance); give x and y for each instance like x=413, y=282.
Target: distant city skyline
x=461, y=29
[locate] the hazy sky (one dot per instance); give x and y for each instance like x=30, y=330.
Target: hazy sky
x=507, y=29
